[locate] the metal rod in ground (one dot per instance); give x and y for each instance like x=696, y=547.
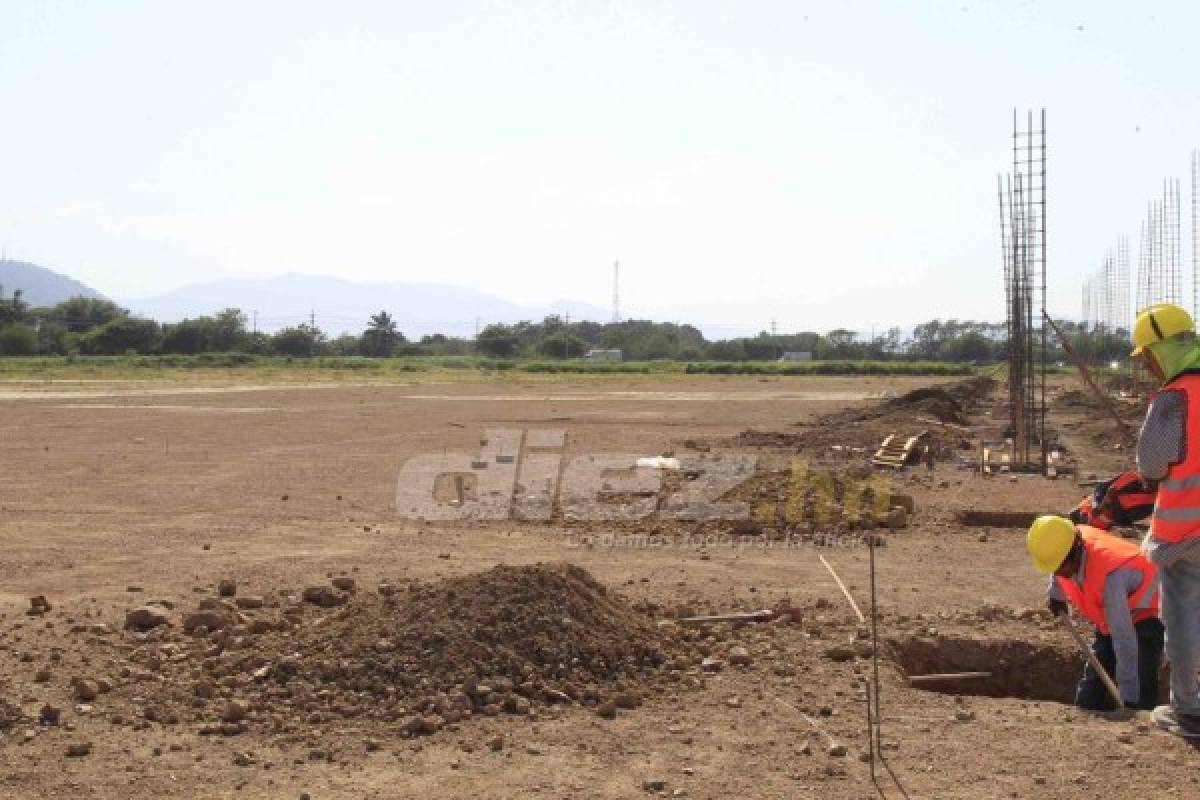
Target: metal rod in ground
x=857, y=611
x=1087, y=378
x=765, y=615
x=870, y=733
x=1095, y=662
x=1041, y=232
x=874, y=649
x=947, y=676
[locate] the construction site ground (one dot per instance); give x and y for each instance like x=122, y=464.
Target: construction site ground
x=115, y=495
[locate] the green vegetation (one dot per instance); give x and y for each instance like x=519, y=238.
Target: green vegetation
x=89, y=327
x=53, y=365
x=829, y=368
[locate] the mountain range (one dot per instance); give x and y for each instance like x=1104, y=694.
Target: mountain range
x=40, y=286
x=336, y=305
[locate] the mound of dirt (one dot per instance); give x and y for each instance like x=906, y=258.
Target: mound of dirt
x=950, y=402
x=505, y=640
x=1074, y=398
x=1140, y=384
x=862, y=429
x=545, y=626
x=934, y=402
x=826, y=500
x=753, y=438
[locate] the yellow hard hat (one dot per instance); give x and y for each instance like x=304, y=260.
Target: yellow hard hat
x=1158, y=322
x=1049, y=541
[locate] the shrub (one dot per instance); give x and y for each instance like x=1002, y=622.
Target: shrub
x=121, y=335
x=17, y=340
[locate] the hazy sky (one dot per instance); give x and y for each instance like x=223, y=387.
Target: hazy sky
x=828, y=163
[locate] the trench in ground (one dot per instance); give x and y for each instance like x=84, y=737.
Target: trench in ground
x=1019, y=669
x=996, y=519
x=1027, y=670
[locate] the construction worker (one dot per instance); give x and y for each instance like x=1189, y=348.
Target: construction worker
x=1113, y=585
x=1122, y=500
x=1164, y=338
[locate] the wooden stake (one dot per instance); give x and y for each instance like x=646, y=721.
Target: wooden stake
x=845, y=591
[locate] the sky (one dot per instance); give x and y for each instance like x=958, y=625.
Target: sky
x=825, y=164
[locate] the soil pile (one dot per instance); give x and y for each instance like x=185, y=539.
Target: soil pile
x=751, y=438
x=1141, y=384
x=934, y=402
x=860, y=431
x=821, y=501
x=948, y=403
x=502, y=641
x=1074, y=398
x=536, y=626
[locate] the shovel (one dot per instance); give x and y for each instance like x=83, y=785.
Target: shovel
x=1095, y=662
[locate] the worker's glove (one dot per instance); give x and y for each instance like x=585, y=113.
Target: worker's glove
x=1057, y=607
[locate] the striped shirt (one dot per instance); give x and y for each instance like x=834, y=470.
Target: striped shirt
x=1161, y=444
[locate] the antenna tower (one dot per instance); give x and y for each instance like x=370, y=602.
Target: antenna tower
x=616, y=292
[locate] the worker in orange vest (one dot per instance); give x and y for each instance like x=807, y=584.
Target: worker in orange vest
x=1115, y=587
x=1168, y=454
x=1122, y=500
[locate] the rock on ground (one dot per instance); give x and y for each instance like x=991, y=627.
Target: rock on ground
x=146, y=618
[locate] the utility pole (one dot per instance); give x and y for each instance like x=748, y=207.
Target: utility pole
x=255, y=323
x=312, y=318
x=566, y=336
x=616, y=298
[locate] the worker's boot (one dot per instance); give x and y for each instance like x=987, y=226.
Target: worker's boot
x=1169, y=719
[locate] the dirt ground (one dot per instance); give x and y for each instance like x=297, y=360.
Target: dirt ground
x=114, y=495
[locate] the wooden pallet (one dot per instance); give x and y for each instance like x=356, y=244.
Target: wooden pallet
x=896, y=451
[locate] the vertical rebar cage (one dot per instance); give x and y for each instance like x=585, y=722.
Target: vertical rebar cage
x=1023, y=249
x=1195, y=236
x=1160, y=256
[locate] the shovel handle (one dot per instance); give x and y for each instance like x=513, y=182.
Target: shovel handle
x=1095, y=662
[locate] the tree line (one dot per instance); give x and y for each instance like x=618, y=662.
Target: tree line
x=90, y=326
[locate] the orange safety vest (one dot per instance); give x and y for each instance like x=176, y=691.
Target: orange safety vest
x=1177, y=503
x=1106, y=553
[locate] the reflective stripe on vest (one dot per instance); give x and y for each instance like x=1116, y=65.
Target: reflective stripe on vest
x=1126, y=499
x=1106, y=553
x=1177, y=503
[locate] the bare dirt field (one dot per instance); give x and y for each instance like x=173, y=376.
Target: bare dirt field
x=363, y=650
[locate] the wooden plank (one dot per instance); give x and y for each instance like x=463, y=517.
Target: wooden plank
x=842, y=586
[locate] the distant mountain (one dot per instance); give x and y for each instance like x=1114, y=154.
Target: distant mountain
x=340, y=305
x=41, y=286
